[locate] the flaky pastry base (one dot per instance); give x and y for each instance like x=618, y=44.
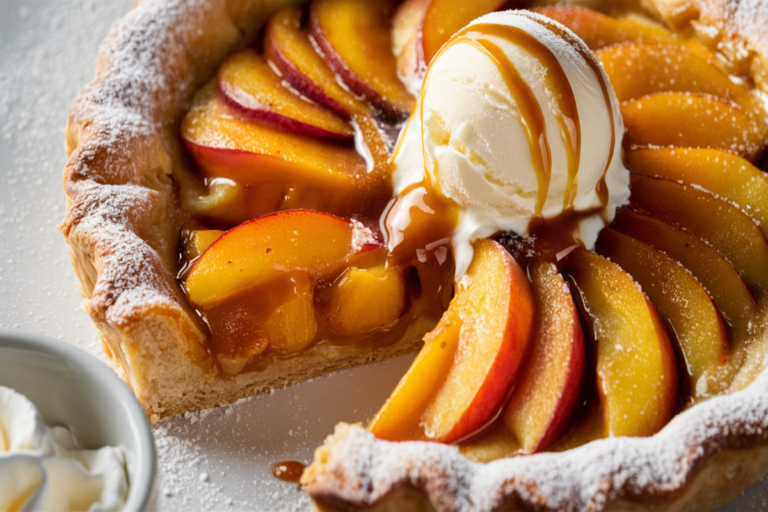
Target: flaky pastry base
x=123, y=218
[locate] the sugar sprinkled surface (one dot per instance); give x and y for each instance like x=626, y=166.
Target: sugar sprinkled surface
x=580, y=479
x=47, y=52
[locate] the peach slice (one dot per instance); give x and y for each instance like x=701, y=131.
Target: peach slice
x=399, y=417
x=288, y=47
x=495, y=443
x=421, y=27
x=266, y=248
x=461, y=377
x=720, y=224
x=196, y=241
x=691, y=120
x=636, y=369
x=721, y=173
x=223, y=205
x=274, y=314
x=355, y=41
x=546, y=396
x=679, y=299
x=363, y=300
x=407, y=44
x=281, y=170
x=665, y=68
x=248, y=83
x=599, y=30
x=293, y=324
x=733, y=298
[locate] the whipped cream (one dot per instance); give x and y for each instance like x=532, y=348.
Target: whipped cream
x=43, y=468
x=516, y=120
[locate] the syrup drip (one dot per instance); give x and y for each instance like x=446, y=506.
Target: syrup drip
x=530, y=110
x=419, y=223
x=546, y=237
x=589, y=58
x=559, y=85
x=288, y=471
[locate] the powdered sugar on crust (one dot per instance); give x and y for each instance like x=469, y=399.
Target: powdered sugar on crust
x=132, y=75
x=128, y=283
x=361, y=470
x=122, y=213
x=123, y=220
x=734, y=28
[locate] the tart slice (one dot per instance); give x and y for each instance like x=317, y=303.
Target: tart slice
x=254, y=209
x=234, y=247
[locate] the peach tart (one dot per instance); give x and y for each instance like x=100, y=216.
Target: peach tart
x=562, y=208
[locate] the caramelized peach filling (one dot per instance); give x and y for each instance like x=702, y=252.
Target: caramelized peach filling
x=538, y=348
x=683, y=306
x=284, y=282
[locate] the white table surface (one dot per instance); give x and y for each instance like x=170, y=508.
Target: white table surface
x=215, y=460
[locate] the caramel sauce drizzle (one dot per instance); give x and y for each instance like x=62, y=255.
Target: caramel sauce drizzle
x=589, y=58
x=557, y=80
x=288, y=471
x=420, y=223
x=531, y=114
x=568, y=119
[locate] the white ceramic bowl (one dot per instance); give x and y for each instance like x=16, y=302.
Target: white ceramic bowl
x=74, y=389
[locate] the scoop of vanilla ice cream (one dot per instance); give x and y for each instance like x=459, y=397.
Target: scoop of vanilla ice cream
x=469, y=135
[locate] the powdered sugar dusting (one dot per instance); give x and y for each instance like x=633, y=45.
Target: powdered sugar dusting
x=137, y=53
x=748, y=19
x=118, y=123
x=109, y=213
x=585, y=478
x=361, y=235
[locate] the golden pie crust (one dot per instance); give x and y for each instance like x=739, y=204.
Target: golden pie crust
x=123, y=217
